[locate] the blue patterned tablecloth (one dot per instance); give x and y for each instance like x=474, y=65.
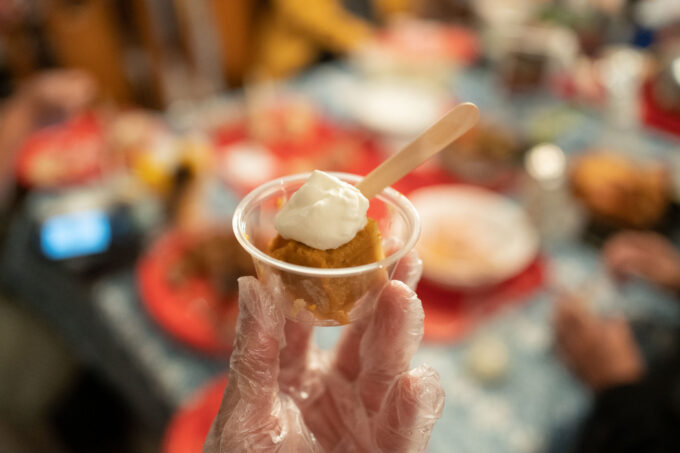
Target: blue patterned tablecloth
x=537, y=406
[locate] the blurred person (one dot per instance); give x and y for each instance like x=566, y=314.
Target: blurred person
x=35, y=367
x=286, y=395
x=288, y=35
x=44, y=99
x=636, y=408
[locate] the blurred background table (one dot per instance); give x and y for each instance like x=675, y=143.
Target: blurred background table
x=536, y=406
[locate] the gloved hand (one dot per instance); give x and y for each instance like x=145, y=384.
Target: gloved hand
x=286, y=395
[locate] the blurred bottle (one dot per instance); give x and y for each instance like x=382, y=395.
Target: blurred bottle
x=623, y=70
x=547, y=198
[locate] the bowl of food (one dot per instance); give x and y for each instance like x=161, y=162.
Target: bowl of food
x=486, y=155
x=323, y=249
x=619, y=191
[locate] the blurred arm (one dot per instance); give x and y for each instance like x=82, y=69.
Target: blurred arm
x=388, y=8
x=16, y=120
x=325, y=21
x=46, y=98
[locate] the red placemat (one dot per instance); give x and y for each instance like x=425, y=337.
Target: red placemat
x=334, y=148
x=427, y=175
x=450, y=314
x=655, y=115
x=432, y=174
x=67, y=154
x=189, y=427
x=191, y=312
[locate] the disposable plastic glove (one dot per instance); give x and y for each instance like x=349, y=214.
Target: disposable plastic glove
x=286, y=395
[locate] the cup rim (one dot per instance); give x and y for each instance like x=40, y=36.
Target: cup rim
x=396, y=197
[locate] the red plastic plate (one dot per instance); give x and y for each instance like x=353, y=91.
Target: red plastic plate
x=192, y=312
x=189, y=427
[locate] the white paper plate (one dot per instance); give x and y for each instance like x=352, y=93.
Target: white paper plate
x=246, y=164
x=472, y=237
x=395, y=108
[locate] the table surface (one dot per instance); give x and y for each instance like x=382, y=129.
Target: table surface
x=536, y=406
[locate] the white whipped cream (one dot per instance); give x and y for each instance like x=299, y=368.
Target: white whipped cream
x=324, y=213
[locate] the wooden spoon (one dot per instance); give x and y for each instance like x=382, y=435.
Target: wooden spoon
x=449, y=128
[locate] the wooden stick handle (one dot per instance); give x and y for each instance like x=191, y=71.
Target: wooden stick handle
x=449, y=128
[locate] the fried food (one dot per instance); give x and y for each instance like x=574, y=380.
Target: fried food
x=620, y=191
x=216, y=257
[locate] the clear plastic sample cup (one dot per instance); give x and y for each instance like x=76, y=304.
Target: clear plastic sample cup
x=306, y=293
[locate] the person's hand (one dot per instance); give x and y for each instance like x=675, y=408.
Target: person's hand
x=57, y=94
x=601, y=352
x=48, y=97
x=286, y=395
x=647, y=255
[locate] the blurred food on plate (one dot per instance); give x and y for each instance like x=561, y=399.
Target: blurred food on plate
x=487, y=154
x=65, y=154
x=132, y=132
x=245, y=164
x=188, y=284
x=472, y=237
x=532, y=57
x=275, y=117
x=157, y=163
x=215, y=257
x=619, y=190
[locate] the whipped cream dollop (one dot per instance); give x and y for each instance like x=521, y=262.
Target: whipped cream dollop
x=324, y=213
